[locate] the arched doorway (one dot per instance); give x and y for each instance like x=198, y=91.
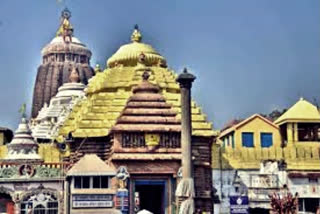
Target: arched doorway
x=40, y=203
x=6, y=204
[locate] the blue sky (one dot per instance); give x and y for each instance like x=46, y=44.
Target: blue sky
x=249, y=56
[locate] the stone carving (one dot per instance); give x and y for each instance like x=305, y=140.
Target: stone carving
x=47, y=172
x=26, y=170
x=8, y=172
x=122, y=176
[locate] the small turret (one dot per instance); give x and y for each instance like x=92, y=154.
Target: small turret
x=23, y=147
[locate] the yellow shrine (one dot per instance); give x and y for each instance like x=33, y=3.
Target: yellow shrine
x=295, y=139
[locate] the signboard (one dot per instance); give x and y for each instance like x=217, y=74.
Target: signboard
x=239, y=204
x=306, y=190
x=92, y=200
x=82, y=204
x=261, y=194
x=122, y=201
x=264, y=181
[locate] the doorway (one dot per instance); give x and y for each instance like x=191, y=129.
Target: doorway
x=151, y=195
x=6, y=204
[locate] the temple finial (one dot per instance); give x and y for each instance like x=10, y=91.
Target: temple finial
x=22, y=110
x=136, y=34
x=74, y=76
x=185, y=70
x=97, y=69
x=65, y=30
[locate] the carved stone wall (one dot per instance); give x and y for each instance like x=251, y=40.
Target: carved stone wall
x=201, y=153
x=51, y=76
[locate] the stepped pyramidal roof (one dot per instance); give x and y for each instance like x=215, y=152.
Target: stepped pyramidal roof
x=147, y=111
x=109, y=91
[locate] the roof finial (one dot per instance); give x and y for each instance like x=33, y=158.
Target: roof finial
x=65, y=29
x=145, y=76
x=74, y=76
x=22, y=110
x=136, y=35
x=97, y=69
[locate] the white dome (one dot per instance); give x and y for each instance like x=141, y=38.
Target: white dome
x=59, y=39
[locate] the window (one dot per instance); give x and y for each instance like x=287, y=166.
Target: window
x=39, y=209
x=232, y=140
x=43, y=203
x=81, y=182
x=266, y=140
x=100, y=182
x=247, y=139
x=313, y=180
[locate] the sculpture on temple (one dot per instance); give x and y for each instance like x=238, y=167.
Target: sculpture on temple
x=65, y=30
x=122, y=176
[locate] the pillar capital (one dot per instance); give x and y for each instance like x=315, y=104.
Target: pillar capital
x=185, y=79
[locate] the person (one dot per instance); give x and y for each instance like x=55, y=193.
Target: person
x=144, y=212
x=29, y=211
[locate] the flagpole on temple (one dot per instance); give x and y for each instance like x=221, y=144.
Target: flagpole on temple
x=185, y=189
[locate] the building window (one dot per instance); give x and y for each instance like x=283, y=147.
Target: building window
x=313, y=180
x=247, y=139
x=266, y=140
x=232, y=140
x=81, y=182
x=100, y=182
x=42, y=203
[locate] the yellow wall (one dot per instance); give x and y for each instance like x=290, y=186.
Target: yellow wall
x=257, y=126
x=50, y=153
x=3, y=151
x=1, y=139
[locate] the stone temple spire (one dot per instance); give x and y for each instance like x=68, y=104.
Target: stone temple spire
x=59, y=57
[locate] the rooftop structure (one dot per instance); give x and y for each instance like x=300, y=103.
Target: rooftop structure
x=108, y=92
x=23, y=147
x=50, y=118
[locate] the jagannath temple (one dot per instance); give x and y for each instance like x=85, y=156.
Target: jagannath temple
x=129, y=139
x=126, y=139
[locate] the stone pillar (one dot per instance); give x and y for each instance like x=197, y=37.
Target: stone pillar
x=185, y=80
x=290, y=134
x=185, y=188
x=66, y=196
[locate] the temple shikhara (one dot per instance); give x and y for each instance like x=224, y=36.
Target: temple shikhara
x=59, y=57
x=130, y=139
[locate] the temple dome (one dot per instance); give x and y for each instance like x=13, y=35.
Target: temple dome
x=128, y=54
x=58, y=45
